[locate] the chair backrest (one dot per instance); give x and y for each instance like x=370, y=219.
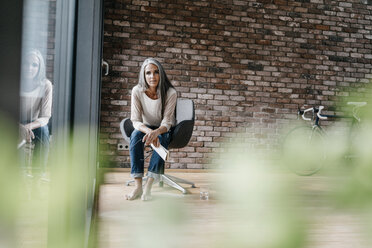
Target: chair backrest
x=126, y=129
x=184, y=110
x=185, y=119
x=181, y=132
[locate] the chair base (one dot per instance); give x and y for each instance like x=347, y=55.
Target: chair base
x=171, y=181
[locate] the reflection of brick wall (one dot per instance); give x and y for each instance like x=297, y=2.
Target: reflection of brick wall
x=39, y=30
x=51, y=39
x=248, y=65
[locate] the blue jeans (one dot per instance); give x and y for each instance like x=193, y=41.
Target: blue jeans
x=41, y=149
x=136, y=150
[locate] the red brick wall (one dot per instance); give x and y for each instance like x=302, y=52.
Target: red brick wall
x=248, y=65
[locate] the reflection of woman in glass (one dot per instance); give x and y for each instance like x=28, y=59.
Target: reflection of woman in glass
x=36, y=107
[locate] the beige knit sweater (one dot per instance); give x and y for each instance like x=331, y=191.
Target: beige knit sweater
x=36, y=105
x=145, y=110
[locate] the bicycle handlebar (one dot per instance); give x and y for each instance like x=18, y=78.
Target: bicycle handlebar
x=318, y=114
x=304, y=112
x=318, y=111
x=314, y=110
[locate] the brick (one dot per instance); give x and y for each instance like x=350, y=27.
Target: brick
x=141, y=3
x=205, y=96
x=121, y=23
x=204, y=139
x=211, y=144
x=157, y=26
x=186, y=160
x=221, y=97
x=173, y=50
x=188, y=95
x=322, y=27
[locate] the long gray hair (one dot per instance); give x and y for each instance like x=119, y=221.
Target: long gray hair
x=164, y=83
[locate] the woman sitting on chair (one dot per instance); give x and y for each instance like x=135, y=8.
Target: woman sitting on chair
x=36, y=108
x=152, y=114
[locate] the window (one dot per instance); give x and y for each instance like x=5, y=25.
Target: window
x=59, y=92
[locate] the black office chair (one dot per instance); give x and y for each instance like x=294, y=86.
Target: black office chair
x=181, y=135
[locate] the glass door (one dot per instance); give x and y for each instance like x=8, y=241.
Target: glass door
x=52, y=190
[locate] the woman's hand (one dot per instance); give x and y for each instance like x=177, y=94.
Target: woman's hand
x=26, y=133
x=152, y=137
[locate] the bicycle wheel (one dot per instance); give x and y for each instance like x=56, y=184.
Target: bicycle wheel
x=303, y=150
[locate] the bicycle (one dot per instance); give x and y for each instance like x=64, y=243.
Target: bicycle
x=312, y=160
